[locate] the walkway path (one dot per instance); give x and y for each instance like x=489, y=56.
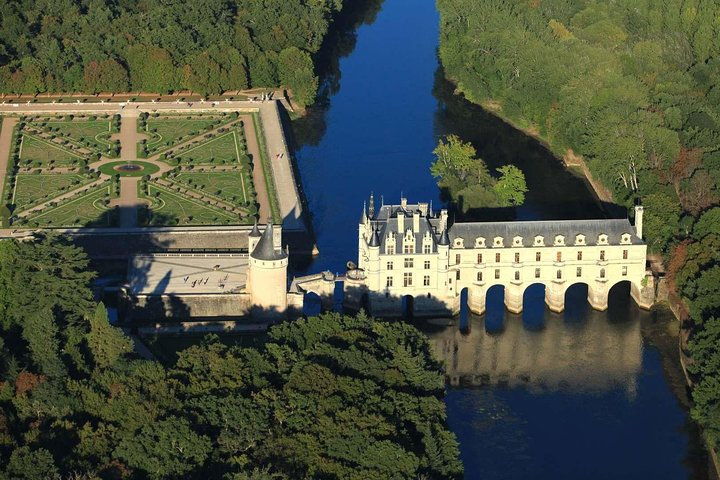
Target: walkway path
x=258, y=175
x=128, y=202
x=8, y=125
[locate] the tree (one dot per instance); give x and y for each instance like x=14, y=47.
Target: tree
x=30, y=464
x=107, y=344
x=510, y=187
x=105, y=76
x=296, y=71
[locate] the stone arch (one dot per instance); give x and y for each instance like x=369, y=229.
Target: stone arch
x=619, y=295
x=464, y=312
x=533, y=301
x=312, y=304
x=494, y=307
x=575, y=300
x=407, y=307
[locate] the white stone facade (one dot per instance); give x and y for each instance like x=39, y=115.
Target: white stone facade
x=406, y=250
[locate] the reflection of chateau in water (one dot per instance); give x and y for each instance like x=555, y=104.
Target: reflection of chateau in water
x=595, y=354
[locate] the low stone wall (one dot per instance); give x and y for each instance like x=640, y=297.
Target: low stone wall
x=182, y=307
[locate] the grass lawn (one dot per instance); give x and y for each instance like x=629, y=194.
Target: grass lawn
x=95, y=132
x=228, y=148
x=35, y=188
x=234, y=187
x=85, y=210
x=166, y=131
x=175, y=208
x=44, y=153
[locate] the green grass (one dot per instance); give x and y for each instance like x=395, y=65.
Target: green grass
x=148, y=169
x=166, y=131
x=82, y=211
x=94, y=133
x=233, y=187
x=267, y=169
x=35, y=188
x=174, y=208
x=225, y=149
x=43, y=153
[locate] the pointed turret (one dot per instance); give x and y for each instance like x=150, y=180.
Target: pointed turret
x=265, y=248
x=444, y=238
x=371, y=212
x=255, y=231
x=363, y=216
x=374, y=239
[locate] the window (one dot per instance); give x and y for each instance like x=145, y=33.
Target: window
x=409, y=263
x=624, y=271
x=497, y=257
x=537, y=273
x=391, y=249
x=427, y=265
x=479, y=277
x=517, y=274
x=408, y=248
x=538, y=256
x=457, y=259
x=602, y=273
x=625, y=254
x=427, y=248
x=457, y=275
x=389, y=282
x=517, y=257
x=559, y=256
x=426, y=280
x=578, y=273
x=407, y=279
x=602, y=255
x=559, y=274
x=579, y=255
x=497, y=274
x=389, y=265
x=479, y=258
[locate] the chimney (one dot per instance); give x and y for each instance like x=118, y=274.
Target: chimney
x=401, y=222
x=423, y=207
x=403, y=202
x=639, y=221
x=443, y=220
x=416, y=221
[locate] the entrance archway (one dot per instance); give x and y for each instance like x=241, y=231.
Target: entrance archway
x=495, y=308
x=533, y=314
x=464, y=310
x=312, y=304
x=407, y=308
x=619, y=301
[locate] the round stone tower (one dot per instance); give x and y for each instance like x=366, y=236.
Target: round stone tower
x=267, y=274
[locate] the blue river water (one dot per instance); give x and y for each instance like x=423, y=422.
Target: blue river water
x=583, y=394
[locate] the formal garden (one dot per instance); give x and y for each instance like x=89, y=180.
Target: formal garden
x=65, y=171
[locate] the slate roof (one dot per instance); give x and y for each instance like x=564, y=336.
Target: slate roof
x=613, y=228
x=265, y=248
x=386, y=221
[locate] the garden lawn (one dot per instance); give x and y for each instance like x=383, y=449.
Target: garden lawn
x=225, y=149
x=166, y=131
x=95, y=132
x=232, y=186
x=34, y=188
x=44, y=153
x=181, y=210
x=85, y=210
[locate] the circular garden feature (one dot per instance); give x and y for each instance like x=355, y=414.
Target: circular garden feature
x=132, y=168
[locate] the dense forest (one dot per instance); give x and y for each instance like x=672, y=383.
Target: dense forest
x=633, y=87
x=207, y=46
x=328, y=397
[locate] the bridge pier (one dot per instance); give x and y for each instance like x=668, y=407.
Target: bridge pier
x=598, y=295
x=555, y=297
x=476, y=301
x=514, y=298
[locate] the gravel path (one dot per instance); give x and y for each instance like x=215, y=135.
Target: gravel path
x=8, y=125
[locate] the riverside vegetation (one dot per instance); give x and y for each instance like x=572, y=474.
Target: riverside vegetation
x=327, y=397
x=208, y=47
x=634, y=88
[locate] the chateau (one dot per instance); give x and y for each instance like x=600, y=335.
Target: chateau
x=410, y=257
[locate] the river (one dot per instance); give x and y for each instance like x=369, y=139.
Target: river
x=583, y=394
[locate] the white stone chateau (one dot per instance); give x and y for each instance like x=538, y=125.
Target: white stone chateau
x=407, y=250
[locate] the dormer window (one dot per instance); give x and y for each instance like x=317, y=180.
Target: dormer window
x=459, y=243
x=539, y=241
x=498, y=242
x=517, y=241
x=579, y=239
x=559, y=240
x=480, y=242
x=625, y=239
x=602, y=239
